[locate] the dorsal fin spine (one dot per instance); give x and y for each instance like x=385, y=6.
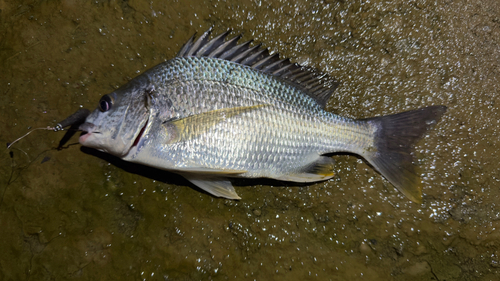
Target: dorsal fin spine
x=276, y=72
x=271, y=65
x=202, y=40
x=257, y=64
x=227, y=55
x=227, y=45
x=315, y=84
x=217, y=41
x=245, y=53
x=317, y=88
x=251, y=58
x=186, y=46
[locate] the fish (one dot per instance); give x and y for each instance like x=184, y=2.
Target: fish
x=222, y=110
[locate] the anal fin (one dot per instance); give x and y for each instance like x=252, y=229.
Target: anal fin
x=321, y=169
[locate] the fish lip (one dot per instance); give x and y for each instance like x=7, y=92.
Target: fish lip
x=87, y=127
x=87, y=130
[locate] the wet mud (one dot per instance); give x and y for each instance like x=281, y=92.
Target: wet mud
x=76, y=214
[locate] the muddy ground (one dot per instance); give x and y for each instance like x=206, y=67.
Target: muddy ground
x=74, y=214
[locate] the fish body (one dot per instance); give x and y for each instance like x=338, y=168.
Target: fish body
x=221, y=110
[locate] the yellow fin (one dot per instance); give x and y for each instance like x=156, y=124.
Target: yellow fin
x=214, y=185
x=321, y=169
x=195, y=125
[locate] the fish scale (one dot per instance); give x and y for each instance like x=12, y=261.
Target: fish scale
x=220, y=110
x=226, y=81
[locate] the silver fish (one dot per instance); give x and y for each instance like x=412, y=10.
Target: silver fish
x=221, y=110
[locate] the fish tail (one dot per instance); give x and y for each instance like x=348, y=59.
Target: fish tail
x=395, y=137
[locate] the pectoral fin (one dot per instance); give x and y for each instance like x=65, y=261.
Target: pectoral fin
x=193, y=126
x=214, y=185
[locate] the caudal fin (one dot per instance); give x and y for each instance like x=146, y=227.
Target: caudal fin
x=395, y=137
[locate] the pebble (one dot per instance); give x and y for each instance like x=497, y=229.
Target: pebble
x=365, y=249
x=418, y=268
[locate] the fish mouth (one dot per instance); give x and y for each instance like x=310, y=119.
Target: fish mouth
x=87, y=130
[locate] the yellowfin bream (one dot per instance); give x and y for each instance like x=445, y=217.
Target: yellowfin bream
x=221, y=110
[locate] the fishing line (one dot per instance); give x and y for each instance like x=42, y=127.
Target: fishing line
x=74, y=119
x=78, y=117
x=20, y=138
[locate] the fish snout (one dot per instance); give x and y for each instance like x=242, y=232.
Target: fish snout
x=87, y=131
x=87, y=127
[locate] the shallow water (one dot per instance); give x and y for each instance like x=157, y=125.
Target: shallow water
x=74, y=214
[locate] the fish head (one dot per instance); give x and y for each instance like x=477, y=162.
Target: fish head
x=119, y=121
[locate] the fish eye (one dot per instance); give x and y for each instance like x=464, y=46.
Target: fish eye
x=105, y=103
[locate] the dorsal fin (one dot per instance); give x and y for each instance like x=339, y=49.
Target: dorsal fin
x=314, y=83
